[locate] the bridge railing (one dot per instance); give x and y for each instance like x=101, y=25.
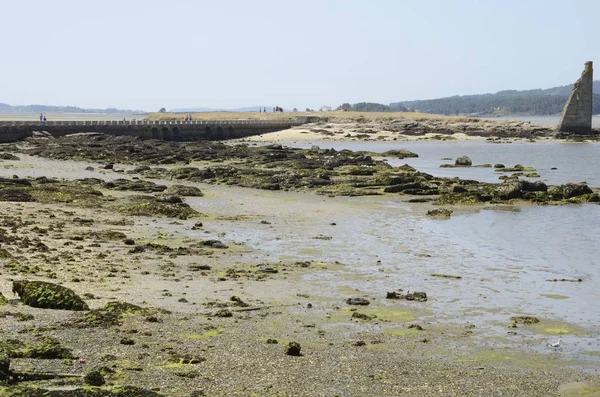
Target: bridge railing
x=257, y=123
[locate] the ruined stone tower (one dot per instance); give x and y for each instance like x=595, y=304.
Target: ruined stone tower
x=577, y=114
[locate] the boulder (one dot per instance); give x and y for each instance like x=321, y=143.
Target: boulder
x=48, y=296
x=463, y=161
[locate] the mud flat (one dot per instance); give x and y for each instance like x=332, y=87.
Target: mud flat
x=212, y=269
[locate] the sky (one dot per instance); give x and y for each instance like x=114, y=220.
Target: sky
x=150, y=54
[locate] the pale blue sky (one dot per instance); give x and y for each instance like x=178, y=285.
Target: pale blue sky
x=227, y=53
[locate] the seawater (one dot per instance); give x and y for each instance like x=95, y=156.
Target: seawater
x=505, y=255
x=542, y=120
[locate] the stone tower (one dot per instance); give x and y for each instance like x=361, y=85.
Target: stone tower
x=577, y=114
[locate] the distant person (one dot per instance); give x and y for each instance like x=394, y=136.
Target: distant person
x=44, y=118
x=186, y=117
x=190, y=117
x=41, y=117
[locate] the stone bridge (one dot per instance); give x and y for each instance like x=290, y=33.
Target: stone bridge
x=194, y=130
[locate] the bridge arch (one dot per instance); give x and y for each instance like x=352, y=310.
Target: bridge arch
x=155, y=133
x=219, y=133
x=230, y=132
x=166, y=134
x=176, y=134
x=208, y=132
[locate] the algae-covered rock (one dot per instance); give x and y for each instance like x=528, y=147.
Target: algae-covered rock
x=110, y=315
x=525, y=320
x=94, y=378
x=3, y=300
x=48, y=296
x=570, y=190
x=357, y=301
x=47, y=349
x=149, y=206
x=292, y=349
x=440, y=212
x=17, y=195
x=186, y=191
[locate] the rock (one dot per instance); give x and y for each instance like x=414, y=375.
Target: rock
x=197, y=225
x=127, y=342
x=357, y=301
x=393, y=295
x=463, y=161
x=223, y=313
x=525, y=320
x=416, y=296
x=292, y=349
x=499, y=166
x=48, y=296
x=93, y=378
x=16, y=195
x=565, y=191
x=108, y=166
x=196, y=267
x=89, y=168
x=361, y=316
x=169, y=199
x=3, y=300
x=183, y=190
x=8, y=156
x=272, y=341
x=400, y=153
x=440, y=212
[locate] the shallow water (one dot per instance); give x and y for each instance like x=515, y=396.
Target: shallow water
x=504, y=257
x=574, y=162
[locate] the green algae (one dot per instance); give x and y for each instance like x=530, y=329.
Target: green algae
x=46, y=295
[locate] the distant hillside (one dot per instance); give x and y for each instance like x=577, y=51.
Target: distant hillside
x=527, y=102
x=6, y=108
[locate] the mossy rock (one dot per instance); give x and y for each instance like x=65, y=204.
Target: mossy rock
x=111, y=314
x=47, y=349
x=525, y=320
x=3, y=300
x=186, y=191
x=17, y=195
x=48, y=296
x=151, y=206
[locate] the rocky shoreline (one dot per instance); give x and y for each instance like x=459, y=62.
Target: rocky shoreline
x=175, y=315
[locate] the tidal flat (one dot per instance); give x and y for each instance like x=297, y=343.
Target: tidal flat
x=222, y=270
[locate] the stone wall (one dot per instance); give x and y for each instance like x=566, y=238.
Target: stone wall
x=11, y=131
x=577, y=115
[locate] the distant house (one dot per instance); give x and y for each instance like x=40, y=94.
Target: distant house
x=325, y=108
